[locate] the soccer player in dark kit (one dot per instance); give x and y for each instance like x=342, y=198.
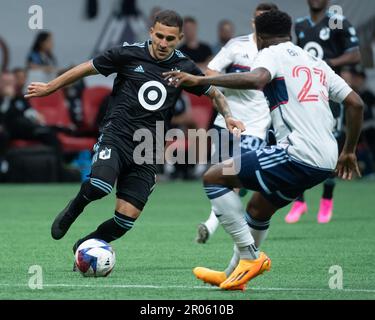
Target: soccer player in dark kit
x=139, y=99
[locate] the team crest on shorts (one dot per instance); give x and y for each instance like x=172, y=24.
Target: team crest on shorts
x=105, y=154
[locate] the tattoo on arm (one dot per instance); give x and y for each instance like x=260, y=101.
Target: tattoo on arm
x=220, y=102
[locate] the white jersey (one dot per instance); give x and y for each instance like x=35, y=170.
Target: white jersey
x=249, y=106
x=298, y=97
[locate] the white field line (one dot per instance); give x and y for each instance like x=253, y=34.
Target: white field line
x=129, y=286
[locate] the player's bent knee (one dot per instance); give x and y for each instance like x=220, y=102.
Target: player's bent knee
x=260, y=208
x=213, y=176
x=127, y=209
x=207, y=177
x=217, y=175
x=254, y=209
x=95, y=189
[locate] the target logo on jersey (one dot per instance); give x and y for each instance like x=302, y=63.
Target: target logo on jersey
x=152, y=95
x=314, y=49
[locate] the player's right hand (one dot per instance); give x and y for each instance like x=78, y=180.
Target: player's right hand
x=37, y=89
x=346, y=165
x=235, y=126
x=178, y=78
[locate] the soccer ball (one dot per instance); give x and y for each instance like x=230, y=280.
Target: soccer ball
x=95, y=258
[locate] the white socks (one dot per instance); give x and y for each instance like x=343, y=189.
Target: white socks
x=233, y=262
x=212, y=223
x=259, y=229
x=258, y=235
x=229, y=210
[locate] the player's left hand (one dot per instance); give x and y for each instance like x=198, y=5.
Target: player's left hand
x=346, y=165
x=235, y=126
x=178, y=78
x=37, y=89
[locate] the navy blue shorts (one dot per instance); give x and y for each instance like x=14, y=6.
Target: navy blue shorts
x=276, y=175
x=223, y=147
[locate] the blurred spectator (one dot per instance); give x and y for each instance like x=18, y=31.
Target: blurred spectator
x=225, y=32
x=41, y=56
x=21, y=118
x=73, y=97
x=198, y=51
x=4, y=141
x=25, y=123
x=6, y=92
x=183, y=120
x=4, y=52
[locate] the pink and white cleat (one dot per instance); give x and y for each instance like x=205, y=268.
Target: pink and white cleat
x=325, y=210
x=295, y=213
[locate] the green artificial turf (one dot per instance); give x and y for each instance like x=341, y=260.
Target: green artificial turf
x=155, y=259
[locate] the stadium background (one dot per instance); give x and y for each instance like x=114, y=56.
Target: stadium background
x=66, y=21
x=155, y=259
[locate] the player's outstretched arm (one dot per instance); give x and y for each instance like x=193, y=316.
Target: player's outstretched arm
x=41, y=89
x=255, y=79
x=348, y=58
x=219, y=101
x=347, y=162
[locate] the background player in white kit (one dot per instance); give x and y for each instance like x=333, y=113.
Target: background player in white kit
x=298, y=87
x=249, y=106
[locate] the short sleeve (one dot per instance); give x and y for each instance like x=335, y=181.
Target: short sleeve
x=338, y=89
x=222, y=60
x=197, y=90
x=349, y=37
x=267, y=59
x=109, y=61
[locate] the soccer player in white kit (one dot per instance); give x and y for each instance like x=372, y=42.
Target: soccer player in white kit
x=249, y=106
x=298, y=87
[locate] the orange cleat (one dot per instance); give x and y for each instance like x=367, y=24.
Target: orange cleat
x=245, y=271
x=213, y=277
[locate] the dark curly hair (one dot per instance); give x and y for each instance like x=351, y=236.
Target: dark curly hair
x=169, y=18
x=273, y=23
x=266, y=6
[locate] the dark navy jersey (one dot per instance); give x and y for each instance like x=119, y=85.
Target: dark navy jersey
x=140, y=95
x=325, y=42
